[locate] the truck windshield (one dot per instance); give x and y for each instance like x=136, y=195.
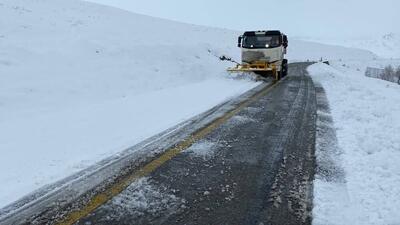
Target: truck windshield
x=261, y=41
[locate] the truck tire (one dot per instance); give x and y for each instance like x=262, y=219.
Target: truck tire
x=284, y=67
x=279, y=75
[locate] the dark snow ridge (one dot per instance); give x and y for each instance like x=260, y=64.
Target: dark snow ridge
x=330, y=174
x=328, y=152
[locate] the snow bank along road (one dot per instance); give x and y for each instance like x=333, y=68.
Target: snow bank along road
x=248, y=161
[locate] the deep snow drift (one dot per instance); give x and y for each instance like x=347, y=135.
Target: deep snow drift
x=366, y=118
x=80, y=82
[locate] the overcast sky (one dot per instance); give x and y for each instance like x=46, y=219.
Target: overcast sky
x=314, y=18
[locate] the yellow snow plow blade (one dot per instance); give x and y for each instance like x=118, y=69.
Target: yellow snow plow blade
x=253, y=67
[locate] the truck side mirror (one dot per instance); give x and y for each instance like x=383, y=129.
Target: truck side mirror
x=240, y=41
x=285, y=41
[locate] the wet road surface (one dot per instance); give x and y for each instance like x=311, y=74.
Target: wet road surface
x=256, y=168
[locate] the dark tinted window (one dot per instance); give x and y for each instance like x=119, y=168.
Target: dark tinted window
x=261, y=41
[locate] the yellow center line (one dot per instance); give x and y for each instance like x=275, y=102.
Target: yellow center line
x=115, y=189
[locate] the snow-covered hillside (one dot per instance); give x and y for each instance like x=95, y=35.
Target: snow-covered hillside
x=386, y=46
x=80, y=82
x=304, y=50
x=366, y=119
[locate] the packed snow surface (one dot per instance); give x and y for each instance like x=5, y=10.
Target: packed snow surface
x=80, y=82
x=366, y=118
x=143, y=198
x=204, y=149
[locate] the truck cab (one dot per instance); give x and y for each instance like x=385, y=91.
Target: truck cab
x=264, y=47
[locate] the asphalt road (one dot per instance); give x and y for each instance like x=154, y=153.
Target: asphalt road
x=256, y=168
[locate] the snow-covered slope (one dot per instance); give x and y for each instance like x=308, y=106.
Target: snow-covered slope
x=387, y=46
x=304, y=50
x=366, y=118
x=80, y=82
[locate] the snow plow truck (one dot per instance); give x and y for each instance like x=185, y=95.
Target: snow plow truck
x=263, y=53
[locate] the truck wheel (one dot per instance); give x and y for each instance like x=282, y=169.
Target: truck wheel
x=279, y=74
x=284, y=67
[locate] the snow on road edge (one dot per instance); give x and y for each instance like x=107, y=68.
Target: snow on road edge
x=365, y=116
